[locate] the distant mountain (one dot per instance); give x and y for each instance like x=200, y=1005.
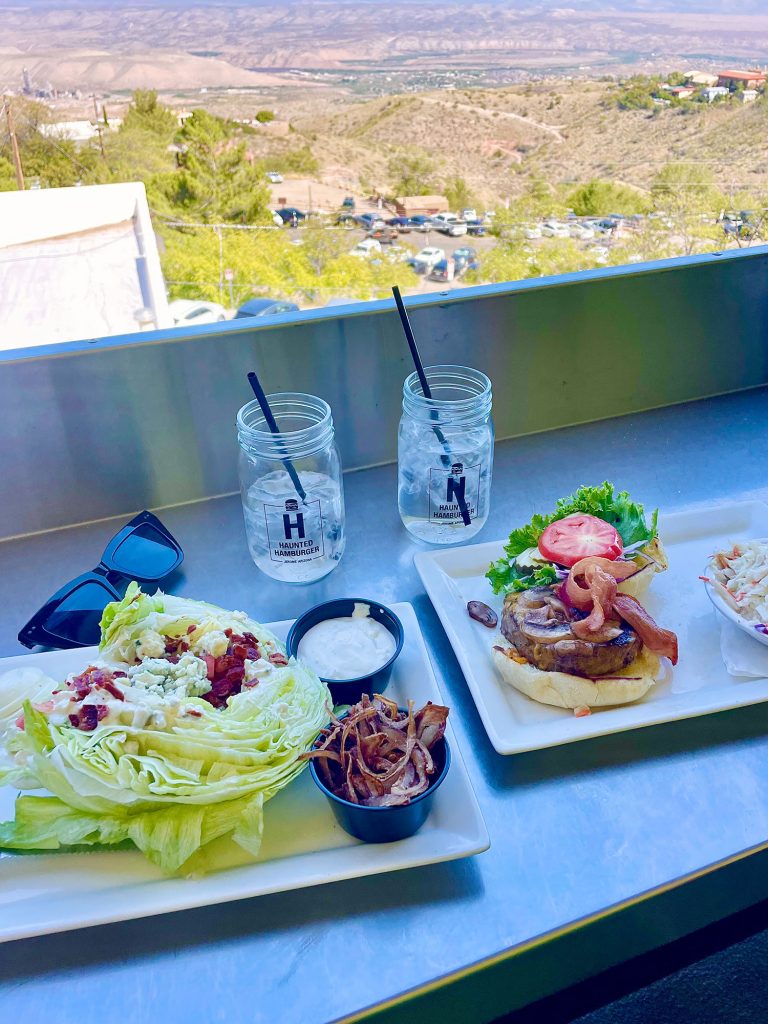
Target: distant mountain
x=396, y=35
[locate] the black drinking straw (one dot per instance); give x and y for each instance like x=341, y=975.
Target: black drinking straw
x=290, y=469
x=427, y=392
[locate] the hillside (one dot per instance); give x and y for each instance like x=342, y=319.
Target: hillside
x=99, y=69
x=561, y=131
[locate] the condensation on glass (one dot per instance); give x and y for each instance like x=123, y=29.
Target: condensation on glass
x=445, y=454
x=292, y=537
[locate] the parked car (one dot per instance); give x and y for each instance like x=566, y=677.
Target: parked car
x=534, y=232
x=427, y=258
x=346, y=220
x=366, y=247
x=265, y=307
x=476, y=228
x=193, y=311
x=443, y=270
x=463, y=256
x=402, y=224
x=468, y=213
x=397, y=254
x=384, y=234
x=581, y=232
x=370, y=220
x=348, y=203
x=288, y=213
x=275, y=177
x=420, y=222
x=553, y=229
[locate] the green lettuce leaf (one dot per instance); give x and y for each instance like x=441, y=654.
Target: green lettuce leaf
x=124, y=621
x=505, y=577
x=603, y=502
x=171, y=837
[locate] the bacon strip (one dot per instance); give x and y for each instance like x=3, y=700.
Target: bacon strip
x=602, y=589
x=660, y=641
x=580, y=596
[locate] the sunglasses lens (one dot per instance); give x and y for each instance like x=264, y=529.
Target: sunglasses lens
x=77, y=618
x=145, y=553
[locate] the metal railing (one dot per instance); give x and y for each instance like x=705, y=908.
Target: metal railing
x=102, y=427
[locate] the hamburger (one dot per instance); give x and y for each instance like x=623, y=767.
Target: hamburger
x=577, y=635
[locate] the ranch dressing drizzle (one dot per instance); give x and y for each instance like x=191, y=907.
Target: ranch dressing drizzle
x=347, y=647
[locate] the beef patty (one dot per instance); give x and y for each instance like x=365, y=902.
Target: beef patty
x=539, y=625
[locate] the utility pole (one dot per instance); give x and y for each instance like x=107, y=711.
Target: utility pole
x=97, y=126
x=14, y=146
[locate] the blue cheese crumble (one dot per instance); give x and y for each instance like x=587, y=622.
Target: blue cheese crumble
x=187, y=678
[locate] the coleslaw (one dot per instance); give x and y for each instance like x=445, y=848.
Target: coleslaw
x=740, y=576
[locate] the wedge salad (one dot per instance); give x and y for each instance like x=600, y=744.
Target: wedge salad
x=189, y=719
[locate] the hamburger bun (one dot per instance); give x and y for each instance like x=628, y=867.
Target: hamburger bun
x=568, y=691
x=637, y=585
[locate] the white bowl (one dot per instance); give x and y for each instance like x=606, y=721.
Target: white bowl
x=722, y=606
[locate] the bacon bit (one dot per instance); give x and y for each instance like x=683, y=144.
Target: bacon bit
x=278, y=659
x=95, y=678
x=705, y=579
x=191, y=629
x=210, y=665
x=582, y=711
x=46, y=706
x=87, y=718
x=227, y=677
x=194, y=712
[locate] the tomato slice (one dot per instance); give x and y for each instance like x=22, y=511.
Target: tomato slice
x=577, y=536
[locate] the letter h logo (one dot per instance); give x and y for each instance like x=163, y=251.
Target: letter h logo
x=292, y=505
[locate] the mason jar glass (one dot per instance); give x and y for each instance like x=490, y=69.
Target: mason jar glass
x=295, y=534
x=445, y=454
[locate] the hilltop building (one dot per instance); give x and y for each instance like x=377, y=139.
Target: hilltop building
x=701, y=78
x=734, y=79
x=78, y=263
x=412, y=206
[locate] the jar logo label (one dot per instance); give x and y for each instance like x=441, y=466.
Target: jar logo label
x=294, y=536
x=448, y=488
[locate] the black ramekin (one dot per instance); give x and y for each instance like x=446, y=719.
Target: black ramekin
x=387, y=824
x=349, y=691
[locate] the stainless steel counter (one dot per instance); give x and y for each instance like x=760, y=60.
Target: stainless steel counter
x=574, y=830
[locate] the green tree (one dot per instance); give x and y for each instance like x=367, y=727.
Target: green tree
x=599, y=198
x=265, y=116
x=458, y=194
x=147, y=114
x=265, y=262
x=686, y=197
x=216, y=181
x=411, y=174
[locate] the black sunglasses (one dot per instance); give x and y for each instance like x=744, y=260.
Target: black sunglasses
x=143, y=550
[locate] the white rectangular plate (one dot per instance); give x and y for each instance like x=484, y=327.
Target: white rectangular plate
x=698, y=685
x=303, y=845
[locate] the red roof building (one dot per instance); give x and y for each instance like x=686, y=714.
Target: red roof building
x=731, y=79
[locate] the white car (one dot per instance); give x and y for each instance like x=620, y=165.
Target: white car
x=397, y=254
x=552, y=229
x=187, y=312
x=367, y=247
x=468, y=213
x=581, y=232
x=275, y=177
x=533, y=232
x=429, y=256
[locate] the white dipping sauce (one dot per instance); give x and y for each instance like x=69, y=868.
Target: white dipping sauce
x=347, y=647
